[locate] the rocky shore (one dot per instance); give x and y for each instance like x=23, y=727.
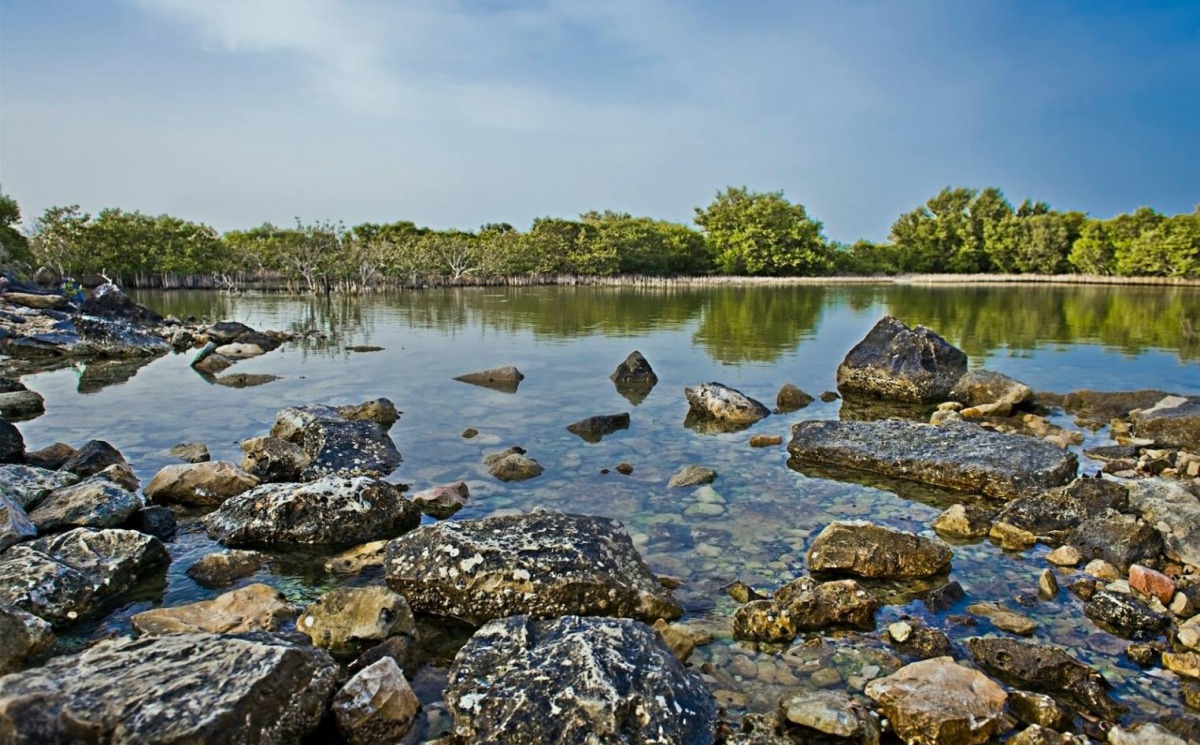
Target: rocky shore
x=550, y=626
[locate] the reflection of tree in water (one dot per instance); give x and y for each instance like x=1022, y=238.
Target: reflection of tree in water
x=754, y=324
x=340, y=321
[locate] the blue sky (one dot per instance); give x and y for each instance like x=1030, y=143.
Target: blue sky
x=454, y=113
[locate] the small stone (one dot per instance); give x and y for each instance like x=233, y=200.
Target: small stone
x=1047, y=585
x=354, y=560
x=347, y=618
x=624, y=469
x=692, y=475
x=1065, y=556
x=1151, y=583
x=1011, y=537
x=1141, y=654
x=1004, y=619
x=899, y=631
x=1084, y=587
x=1102, y=570
x=962, y=522
x=826, y=677
x=765, y=441
x=1182, y=606
x=677, y=637
x=441, y=502
x=469, y=432
x=829, y=396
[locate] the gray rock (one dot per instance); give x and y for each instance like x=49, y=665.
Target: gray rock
x=1173, y=421
x=790, y=398
x=818, y=605
x=594, y=428
x=377, y=705
x=1056, y=512
x=939, y=702
x=21, y=404
x=273, y=460
x=12, y=444
x=192, y=452
x=832, y=713
x=1128, y=615
x=29, y=485
x=379, y=410
x=957, y=456
x=204, y=485
x=897, y=363
x=869, y=550
x=963, y=522
x=109, y=301
x=1103, y=406
x=92, y=458
x=575, y=680
x=194, y=688
x=977, y=387
x=634, y=371
x=441, y=502
x=692, y=475
x=95, y=502
x=541, y=563
x=332, y=511
x=154, y=520
x=23, y=636
x=346, y=619
x=503, y=379
x=81, y=336
x=15, y=525
x=1119, y=539
x=725, y=404
x=512, y=465
x=223, y=568
x=336, y=446
x=1174, y=512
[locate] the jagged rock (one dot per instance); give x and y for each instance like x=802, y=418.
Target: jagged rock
x=680, y=639
x=1174, y=512
x=575, y=680
x=897, y=363
x=1039, y=710
x=51, y=457
x=95, y=502
x=832, y=713
x=817, y=605
x=512, y=465
x=692, y=475
x=336, y=446
x=50, y=333
x=725, y=404
x=15, y=525
x=635, y=372
x=1043, y=668
x=1047, y=585
x=92, y=458
x=122, y=475
x=223, y=568
x=920, y=641
x=21, y=404
x=963, y=522
x=939, y=702
x=765, y=621
x=1056, y=512
x=1119, y=539
x=23, y=636
x=1173, y=421
x=109, y=301
x=593, y=429
x=64, y=577
x=503, y=379
x=273, y=460
x=29, y=485
x=194, y=688
x=541, y=563
x=12, y=444
x=192, y=452
x=154, y=520
x=354, y=560
x=347, y=618
x=331, y=511
x=1011, y=537
x=1126, y=614
x=979, y=387
x=868, y=550
x=256, y=607
x=379, y=410
x=957, y=456
x=442, y=501
x=377, y=705
x=205, y=485
x=790, y=398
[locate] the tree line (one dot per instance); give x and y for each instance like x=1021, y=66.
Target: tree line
x=959, y=231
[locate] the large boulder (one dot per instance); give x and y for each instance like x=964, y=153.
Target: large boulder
x=957, y=456
x=1173, y=421
x=335, y=445
x=347, y=618
x=256, y=607
x=205, y=485
x=977, y=387
x=1056, y=512
x=869, y=550
x=376, y=705
x=95, y=502
x=1174, y=511
x=575, y=680
x=939, y=702
x=22, y=636
x=193, y=688
x=28, y=485
x=64, y=577
x=725, y=404
x=1119, y=539
x=542, y=564
x=15, y=525
x=332, y=511
x=897, y=363
x=12, y=444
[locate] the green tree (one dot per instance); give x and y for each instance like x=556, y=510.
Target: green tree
x=763, y=234
x=14, y=246
x=58, y=240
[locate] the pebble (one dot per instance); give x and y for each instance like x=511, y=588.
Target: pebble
x=1102, y=570
x=899, y=631
x=1047, y=585
x=1065, y=556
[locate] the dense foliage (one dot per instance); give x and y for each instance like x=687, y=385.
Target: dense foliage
x=959, y=230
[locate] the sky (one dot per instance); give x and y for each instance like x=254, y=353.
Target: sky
x=457, y=113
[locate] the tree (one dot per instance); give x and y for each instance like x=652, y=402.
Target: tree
x=763, y=234
x=14, y=246
x=58, y=240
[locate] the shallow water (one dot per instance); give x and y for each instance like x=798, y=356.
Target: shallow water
x=753, y=524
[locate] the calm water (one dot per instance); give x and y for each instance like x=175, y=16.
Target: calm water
x=753, y=524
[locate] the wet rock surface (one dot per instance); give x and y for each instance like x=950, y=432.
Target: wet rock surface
x=978, y=387
x=272, y=459
x=23, y=636
x=15, y=525
x=1119, y=539
x=790, y=398
x=692, y=475
x=376, y=705
x=897, y=363
x=504, y=379
x=95, y=502
x=832, y=713
x=225, y=567
x=1056, y=512
x=441, y=502
x=868, y=550
x=634, y=378
x=92, y=458
x=1174, y=512
x=29, y=485
x=512, y=465
x=1124, y=613
x=346, y=619
x=334, y=445
x=12, y=445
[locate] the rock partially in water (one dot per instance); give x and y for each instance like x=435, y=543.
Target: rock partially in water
x=15, y=525
x=223, y=568
x=65, y=577
x=29, y=485
x=379, y=410
x=939, y=702
x=805, y=605
x=12, y=444
x=441, y=502
x=354, y=560
x=1174, y=511
x=963, y=522
x=194, y=688
x=1126, y=614
x=332, y=511
x=271, y=459
x=94, y=502
x=542, y=563
x=1173, y=421
x=336, y=446
x=634, y=371
x=1040, y=710
x=1119, y=539
x=377, y=705
x=504, y=379
x=868, y=550
x=346, y=619
x=982, y=387
x=192, y=452
x=1004, y=619
x=512, y=465
x=21, y=404
x=109, y=301
x=957, y=456
x=154, y=520
x=1103, y=406
x=1144, y=733
x=256, y=607
x=52, y=457
x=594, y=428
x=53, y=333
x=23, y=636
x=92, y=458
x=790, y=398
x=1056, y=512
x=575, y=680
x=832, y=713
x=692, y=475
x=897, y=363
x=204, y=485
x=725, y=404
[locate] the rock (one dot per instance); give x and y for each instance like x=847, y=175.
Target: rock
x=223, y=568
x=1054, y=513
x=829, y=396
x=12, y=445
x=939, y=702
x=897, y=363
x=51, y=457
x=332, y=511
x=204, y=485
x=1174, y=511
x=1173, y=421
x=21, y=404
x=1047, y=585
x=354, y=560
x=251, y=608
x=922, y=642
x=725, y=404
x=23, y=636
x=634, y=371
x=679, y=638
x=80, y=336
x=624, y=468
x=765, y=621
x=1043, y=668
x=154, y=520
x=512, y=465
x=1125, y=613
x=1186, y=664
x=376, y=705
x=347, y=618
x=272, y=459
x=944, y=597
x=92, y=458
x=980, y=411
x=832, y=713
x=963, y=522
x=195, y=688
x=192, y=452
x=379, y=410
x=1144, y=733
x=37, y=300
x=790, y=398
x=15, y=525
x=441, y=502
x=957, y=456
x=593, y=429
x=237, y=351
x=1102, y=570
x=95, y=502
x=1109, y=453
x=575, y=680
x=1011, y=538
x=503, y=379
x=29, y=485
x=64, y=577
x=1038, y=735
x=692, y=475
x=1151, y=583
x=1104, y=406
x=109, y=301
x=122, y=475
x=244, y=380
x=816, y=605
x=1004, y=619
x=541, y=563
x=1065, y=556
x=868, y=550
x=225, y=332
x=1039, y=710
x=336, y=446
x=1119, y=539
x=977, y=387
x=765, y=441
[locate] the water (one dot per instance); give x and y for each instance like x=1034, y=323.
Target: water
x=753, y=524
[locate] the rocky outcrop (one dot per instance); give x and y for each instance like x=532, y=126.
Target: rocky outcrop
x=1173, y=421
x=53, y=333
x=204, y=485
x=1174, y=511
x=897, y=363
x=336, y=446
x=504, y=379
x=377, y=705
x=541, y=563
x=194, y=688
x=23, y=636
x=332, y=511
x=957, y=456
x=868, y=550
x=95, y=502
x=271, y=459
x=346, y=619
x=724, y=404
x=575, y=680
x=939, y=702
x=441, y=502
x=594, y=428
x=256, y=607
x=512, y=464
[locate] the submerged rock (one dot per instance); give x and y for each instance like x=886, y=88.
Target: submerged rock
x=256, y=607
x=897, y=363
x=346, y=619
x=575, y=680
x=377, y=705
x=541, y=563
x=957, y=456
x=692, y=475
x=724, y=404
x=869, y=550
x=441, y=502
x=225, y=567
x=593, y=429
x=195, y=688
x=1173, y=421
x=939, y=702
x=205, y=485
x=336, y=446
x=504, y=379
x=963, y=522
x=512, y=465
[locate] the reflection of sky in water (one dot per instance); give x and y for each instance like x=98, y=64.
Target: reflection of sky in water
x=768, y=511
